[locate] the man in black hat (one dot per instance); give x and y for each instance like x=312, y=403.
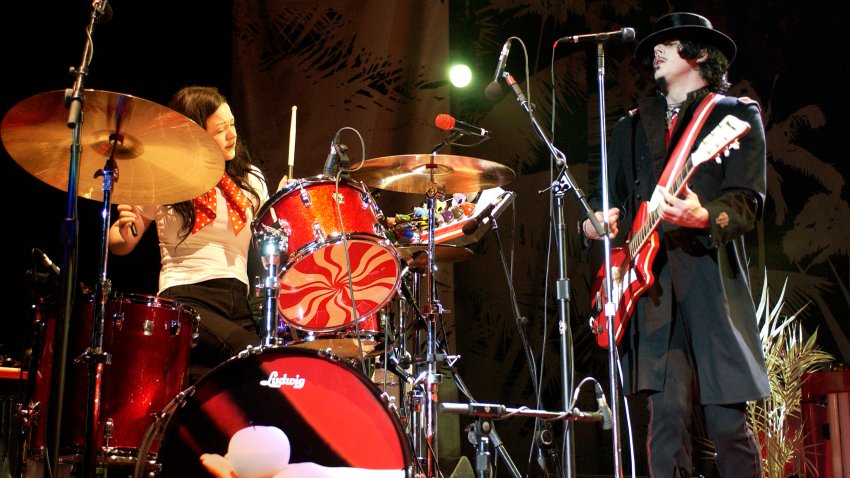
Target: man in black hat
x=691, y=341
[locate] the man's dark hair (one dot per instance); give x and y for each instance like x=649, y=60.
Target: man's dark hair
x=713, y=69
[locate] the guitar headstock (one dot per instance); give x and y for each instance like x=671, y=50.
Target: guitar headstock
x=720, y=140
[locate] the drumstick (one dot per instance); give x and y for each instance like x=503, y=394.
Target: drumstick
x=292, y=142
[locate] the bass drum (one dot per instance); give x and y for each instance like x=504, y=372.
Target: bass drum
x=278, y=407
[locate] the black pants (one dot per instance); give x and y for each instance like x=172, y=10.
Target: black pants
x=670, y=420
x=226, y=326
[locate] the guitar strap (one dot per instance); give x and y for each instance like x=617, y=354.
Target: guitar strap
x=682, y=151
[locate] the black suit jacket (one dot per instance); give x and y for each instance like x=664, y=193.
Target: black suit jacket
x=701, y=275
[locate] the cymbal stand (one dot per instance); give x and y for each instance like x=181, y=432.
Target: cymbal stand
x=273, y=243
x=562, y=286
x=424, y=397
x=74, y=99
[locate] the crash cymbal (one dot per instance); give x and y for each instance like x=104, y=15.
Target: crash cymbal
x=416, y=173
x=164, y=157
x=417, y=258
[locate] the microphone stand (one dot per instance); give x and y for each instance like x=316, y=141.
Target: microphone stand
x=484, y=433
x=540, y=432
x=609, y=285
x=562, y=284
x=74, y=100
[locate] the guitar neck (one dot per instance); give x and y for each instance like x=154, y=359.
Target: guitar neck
x=653, y=217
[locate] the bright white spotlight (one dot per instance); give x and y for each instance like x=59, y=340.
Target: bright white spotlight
x=460, y=75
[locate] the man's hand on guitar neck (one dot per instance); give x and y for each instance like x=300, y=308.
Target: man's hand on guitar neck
x=686, y=211
x=590, y=232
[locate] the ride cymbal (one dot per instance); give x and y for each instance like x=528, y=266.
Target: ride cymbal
x=416, y=173
x=163, y=157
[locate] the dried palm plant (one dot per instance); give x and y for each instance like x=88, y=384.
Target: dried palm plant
x=789, y=356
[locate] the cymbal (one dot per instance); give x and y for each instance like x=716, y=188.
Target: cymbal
x=164, y=157
x=416, y=173
x=417, y=258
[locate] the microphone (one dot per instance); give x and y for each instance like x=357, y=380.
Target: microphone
x=624, y=34
x=394, y=366
x=332, y=163
x=448, y=123
x=486, y=410
x=47, y=262
x=494, y=89
x=581, y=416
x=486, y=214
x=604, y=409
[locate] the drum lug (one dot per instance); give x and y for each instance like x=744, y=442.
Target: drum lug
x=379, y=230
x=305, y=197
x=196, y=330
x=175, y=328
x=148, y=327
x=108, y=430
x=317, y=231
x=118, y=320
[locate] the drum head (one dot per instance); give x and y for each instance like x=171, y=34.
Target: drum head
x=331, y=414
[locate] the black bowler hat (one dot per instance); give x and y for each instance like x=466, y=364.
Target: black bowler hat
x=685, y=26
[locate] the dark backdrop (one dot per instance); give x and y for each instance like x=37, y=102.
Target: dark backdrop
x=787, y=60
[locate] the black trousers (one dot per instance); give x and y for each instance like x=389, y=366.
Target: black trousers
x=226, y=326
x=671, y=415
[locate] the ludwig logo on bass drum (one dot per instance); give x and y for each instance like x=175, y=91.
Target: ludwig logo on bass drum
x=275, y=381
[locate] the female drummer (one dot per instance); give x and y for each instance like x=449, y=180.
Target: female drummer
x=204, y=242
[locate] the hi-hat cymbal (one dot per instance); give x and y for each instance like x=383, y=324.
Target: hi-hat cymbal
x=416, y=173
x=164, y=157
x=417, y=258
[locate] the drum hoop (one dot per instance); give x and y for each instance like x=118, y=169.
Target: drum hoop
x=300, y=183
x=152, y=301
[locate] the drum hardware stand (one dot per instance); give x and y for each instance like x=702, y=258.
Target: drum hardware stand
x=424, y=396
x=273, y=243
x=481, y=434
x=95, y=356
x=74, y=99
x=562, y=284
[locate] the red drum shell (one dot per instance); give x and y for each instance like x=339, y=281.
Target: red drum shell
x=314, y=283
x=149, y=340
x=331, y=413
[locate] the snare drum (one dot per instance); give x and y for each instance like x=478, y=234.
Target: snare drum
x=330, y=414
x=345, y=344
x=315, y=295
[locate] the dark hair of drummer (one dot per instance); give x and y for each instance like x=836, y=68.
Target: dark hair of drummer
x=199, y=103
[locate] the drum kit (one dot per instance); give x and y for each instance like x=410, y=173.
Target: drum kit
x=343, y=304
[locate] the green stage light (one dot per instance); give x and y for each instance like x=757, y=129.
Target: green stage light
x=460, y=75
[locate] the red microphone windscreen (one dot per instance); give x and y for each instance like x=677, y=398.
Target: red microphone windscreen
x=445, y=122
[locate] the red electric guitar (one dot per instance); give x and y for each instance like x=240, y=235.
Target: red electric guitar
x=631, y=265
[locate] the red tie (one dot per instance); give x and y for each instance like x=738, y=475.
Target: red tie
x=237, y=204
